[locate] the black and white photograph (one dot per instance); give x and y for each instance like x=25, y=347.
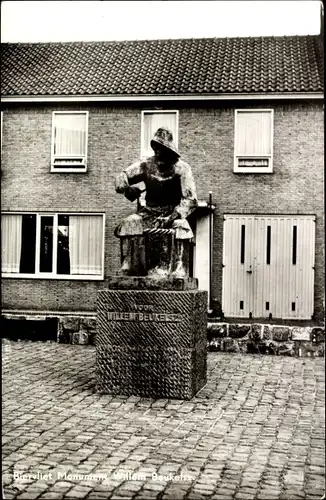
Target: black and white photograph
x=162, y=250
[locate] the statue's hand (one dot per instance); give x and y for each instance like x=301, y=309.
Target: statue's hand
x=132, y=193
x=166, y=222
x=161, y=222
x=173, y=217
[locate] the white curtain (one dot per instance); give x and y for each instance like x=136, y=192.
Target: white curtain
x=153, y=121
x=253, y=134
x=11, y=242
x=85, y=244
x=70, y=135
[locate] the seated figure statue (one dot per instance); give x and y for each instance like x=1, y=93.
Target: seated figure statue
x=154, y=238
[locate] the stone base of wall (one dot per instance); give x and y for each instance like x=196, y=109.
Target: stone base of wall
x=73, y=328
x=259, y=338
x=256, y=338
x=77, y=330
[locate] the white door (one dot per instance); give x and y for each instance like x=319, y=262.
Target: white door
x=268, y=266
x=201, y=256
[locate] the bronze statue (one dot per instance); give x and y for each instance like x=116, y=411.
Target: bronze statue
x=154, y=239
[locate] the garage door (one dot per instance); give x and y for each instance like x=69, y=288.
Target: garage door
x=268, y=266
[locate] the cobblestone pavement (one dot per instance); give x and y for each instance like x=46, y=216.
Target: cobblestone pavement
x=255, y=431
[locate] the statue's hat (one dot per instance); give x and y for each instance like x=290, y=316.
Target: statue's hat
x=163, y=136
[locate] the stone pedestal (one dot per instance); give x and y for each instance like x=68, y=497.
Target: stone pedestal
x=151, y=342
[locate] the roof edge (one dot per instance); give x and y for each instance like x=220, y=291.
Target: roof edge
x=163, y=40
x=158, y=97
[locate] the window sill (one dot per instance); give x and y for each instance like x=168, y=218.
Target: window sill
x=253, y=171
x=47, y=276
x=68, y=170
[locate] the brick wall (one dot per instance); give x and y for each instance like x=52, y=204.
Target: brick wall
x=206, y=139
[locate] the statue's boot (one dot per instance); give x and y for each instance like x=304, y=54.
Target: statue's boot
x=126, y=263
x=180, y=270
x=134, y=261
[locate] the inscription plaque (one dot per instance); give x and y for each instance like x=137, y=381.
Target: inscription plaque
x=138, y=316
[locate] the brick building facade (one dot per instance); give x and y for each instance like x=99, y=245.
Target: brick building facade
x=206, y=134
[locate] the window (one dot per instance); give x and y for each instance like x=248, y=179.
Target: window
x=151, y=121
x=253, y=152
x=69, y=141
x=47, y=245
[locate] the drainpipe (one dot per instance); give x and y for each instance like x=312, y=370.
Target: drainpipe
x=210, y=250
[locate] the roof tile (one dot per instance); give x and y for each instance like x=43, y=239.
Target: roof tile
x=185, y=66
